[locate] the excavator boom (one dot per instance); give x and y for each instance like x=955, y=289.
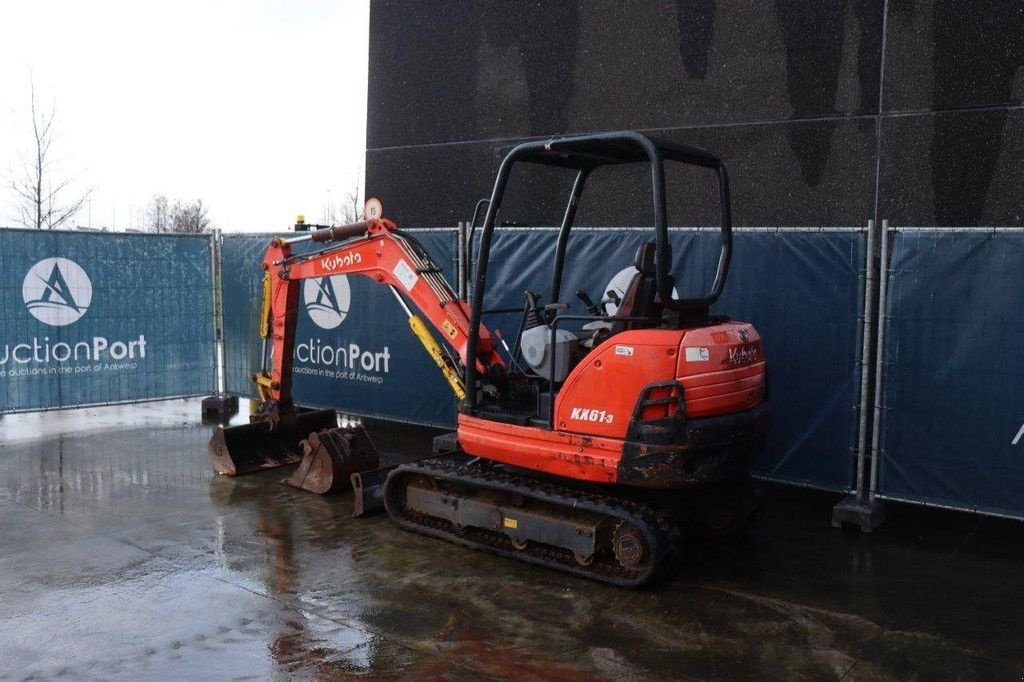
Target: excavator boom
x=279, y=433
x=385, y=255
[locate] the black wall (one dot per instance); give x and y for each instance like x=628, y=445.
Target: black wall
x=828, y=112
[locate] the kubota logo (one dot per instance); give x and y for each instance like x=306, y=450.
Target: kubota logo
x=327, y=300
x=744, y=355
x=57, y=291
x=341, y=260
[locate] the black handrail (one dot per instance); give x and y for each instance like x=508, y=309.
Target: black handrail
x=563, y=232
x=472, y=226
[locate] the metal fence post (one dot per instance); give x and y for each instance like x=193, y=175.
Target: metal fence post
x=865, y=356
x=876, y=427
x=860, y=509
x=220, y=405
x=215, y=285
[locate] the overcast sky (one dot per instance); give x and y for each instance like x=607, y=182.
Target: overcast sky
x=257, y=107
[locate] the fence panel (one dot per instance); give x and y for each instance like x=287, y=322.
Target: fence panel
x=354, y=350
x=953, y=425
x=802, y=290
x=100, y=318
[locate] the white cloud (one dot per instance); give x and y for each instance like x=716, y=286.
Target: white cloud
x=257, y=107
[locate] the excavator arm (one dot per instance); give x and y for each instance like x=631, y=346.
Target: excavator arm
x=375, y=249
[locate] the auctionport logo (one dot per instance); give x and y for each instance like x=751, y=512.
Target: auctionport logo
x=57, y=291
x=327, y=300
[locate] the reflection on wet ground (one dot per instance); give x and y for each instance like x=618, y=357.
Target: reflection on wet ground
x=120, y=554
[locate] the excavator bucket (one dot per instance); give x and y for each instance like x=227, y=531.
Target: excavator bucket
x=263, y=444
x=331, y=456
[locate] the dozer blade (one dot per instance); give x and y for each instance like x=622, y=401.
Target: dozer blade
x=368, y=490
x=253, y=447
x=331, y=456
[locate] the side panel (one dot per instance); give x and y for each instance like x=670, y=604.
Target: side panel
x=599, y=395
x=555, y=452
x=953, y=427
x=98, y=318
x=721, y=372
x=722, y=369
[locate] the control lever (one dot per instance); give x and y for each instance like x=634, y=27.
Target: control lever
x=551, y=309
x=533, y=313
x=587, y=301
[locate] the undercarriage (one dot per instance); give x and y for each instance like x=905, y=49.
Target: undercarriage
x=612, y=535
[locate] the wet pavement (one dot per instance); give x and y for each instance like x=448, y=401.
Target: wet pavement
x=120, y=554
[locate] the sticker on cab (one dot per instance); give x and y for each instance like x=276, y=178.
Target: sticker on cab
x=625, y=351
x=697, y=354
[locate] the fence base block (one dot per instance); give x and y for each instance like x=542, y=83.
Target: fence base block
x=867, y=514
x=445, y=443
x=219, y=406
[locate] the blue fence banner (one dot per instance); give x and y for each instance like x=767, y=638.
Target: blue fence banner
x=953, y=425
x=802, y=290
x=100, y=318
x=354, y=350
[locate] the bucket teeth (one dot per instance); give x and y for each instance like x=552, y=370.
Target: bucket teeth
x=331, y=456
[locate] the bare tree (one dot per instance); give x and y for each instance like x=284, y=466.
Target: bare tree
x=158, y=214
x=189, y=217
x=351, y=209
x=43, y=202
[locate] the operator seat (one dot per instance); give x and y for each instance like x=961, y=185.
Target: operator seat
x=640, y=297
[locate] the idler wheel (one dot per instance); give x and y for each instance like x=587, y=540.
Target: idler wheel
x=630, y=546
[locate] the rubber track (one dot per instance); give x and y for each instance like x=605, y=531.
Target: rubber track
x=656, y=525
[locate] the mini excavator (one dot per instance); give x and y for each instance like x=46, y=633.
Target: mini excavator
x=581, y=447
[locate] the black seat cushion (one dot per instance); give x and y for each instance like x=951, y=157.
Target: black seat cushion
x=640, y=297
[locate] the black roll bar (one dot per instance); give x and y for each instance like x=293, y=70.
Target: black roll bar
x=584, y=153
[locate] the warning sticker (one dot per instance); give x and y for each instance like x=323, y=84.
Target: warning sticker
x=405, y=274
x=697, y=354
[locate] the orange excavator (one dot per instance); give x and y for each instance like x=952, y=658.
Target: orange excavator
x=583, y=447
